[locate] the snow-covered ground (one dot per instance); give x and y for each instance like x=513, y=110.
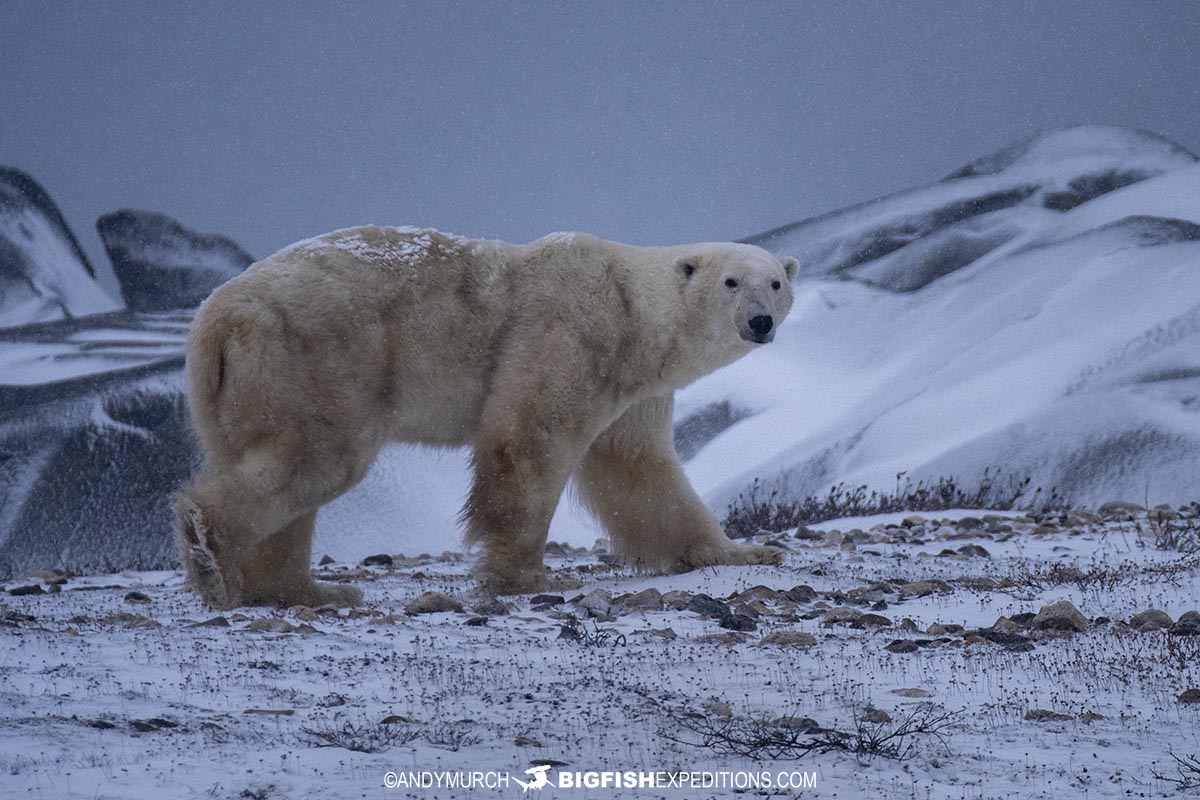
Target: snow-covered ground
x=123, y=686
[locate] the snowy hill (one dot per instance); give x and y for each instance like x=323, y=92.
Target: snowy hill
x=44, y=275
x=1054, y=333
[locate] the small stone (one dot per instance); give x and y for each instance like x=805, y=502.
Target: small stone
x=902, y=646
x=303, y=613
x=152, y=724
x=272, y=625
x=1119, y=510
x=475, y=622
x=841, y=616
x=706, y=606
x=432, y=603
x=526, y=741
x=738, y=622
x=662, y=633
x=974, y=551
x=1150, y=620
x=801, y=724
x=1190, y=697
x=645, y=600
x=1062, y=616
x=1185, y=627
x=490, y=608
x=872, y=621
x=876, y=716
x=546, y=600
x=913, y=521
x=801, y=594
x=1004, y=637
x=1024, y=618
x=1044, y=715
x=912, y=692
x=1006, y=625
x=677, y=599
x=23, y=591
x=100, y=724
x=378, y=560
x=397, y=719
x=789, y=639
x=1088, y=717
x=1189, y=616
x=597, y=602
x=325, y=561
x=719, y=708
x=908, y=625
x=215, y=622
x=917, y=589
x=969, y=524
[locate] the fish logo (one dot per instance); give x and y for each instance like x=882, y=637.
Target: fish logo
x=539, y=778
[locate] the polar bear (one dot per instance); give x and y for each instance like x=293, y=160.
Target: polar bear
x=551, y=360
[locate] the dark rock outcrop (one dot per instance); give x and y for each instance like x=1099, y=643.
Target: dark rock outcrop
x=162, y=265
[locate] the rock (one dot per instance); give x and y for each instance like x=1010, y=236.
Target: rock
x=969, y=524
x=137, y=597
x=974, y=551
x=841, y=616
x=1150, y=620
x=913, y=521
x=706, y=606
x=325, y=561
x=1061, y=616
x=432, y=603
x=547, y=600
x=677, y=600
x=152, y=724
x=1119, y=510
x=303, y=613
x=1185, y=627
x=597, y=602
x=1004, y=637
x=1189, y=616
x=1006, y=625
x=876, y=716
x=789, y=639
x=738, y=622
x=378, y=560
x=662, y=633
x=917, y=589
x=908, y=625
x=912, y=692
x=24, y=591
x=719, y=708
x=215, y=622
x=800, y=724
x=476, y=622
x=902, y=646
x=526, y=741
x=1044, y=715
x=1190, y=697
x=1088, y=717
x=272, y=625
x=162, y=265
x=490, y=608
x=645, y=600
x=127, y=620
x=872, y=621
x=1024, y=618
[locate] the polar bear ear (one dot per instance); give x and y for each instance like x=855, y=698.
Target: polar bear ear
x=687, y=267
x=789, y=267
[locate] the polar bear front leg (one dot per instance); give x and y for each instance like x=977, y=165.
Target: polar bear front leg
x=631, y=479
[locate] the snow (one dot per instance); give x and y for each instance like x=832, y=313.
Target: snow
x=601, y=708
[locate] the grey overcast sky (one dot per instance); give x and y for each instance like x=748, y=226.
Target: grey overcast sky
x=648, y=122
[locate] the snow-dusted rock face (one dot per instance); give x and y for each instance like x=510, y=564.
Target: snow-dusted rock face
x=44, y=275
x=1037, y=312
x=93, y=441
x=161, y=264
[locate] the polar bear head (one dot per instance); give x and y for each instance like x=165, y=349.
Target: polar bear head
x=737, y=294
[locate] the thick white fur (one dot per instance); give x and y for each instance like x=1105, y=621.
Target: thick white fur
x=551, y=359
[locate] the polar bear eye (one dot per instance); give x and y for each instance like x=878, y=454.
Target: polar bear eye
x=731, y=283
x=775, y=285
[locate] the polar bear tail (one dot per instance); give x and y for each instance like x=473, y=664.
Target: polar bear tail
x=196, y=552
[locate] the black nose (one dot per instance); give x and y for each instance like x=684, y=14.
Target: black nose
x=761, y=324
